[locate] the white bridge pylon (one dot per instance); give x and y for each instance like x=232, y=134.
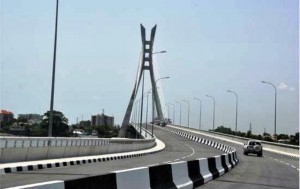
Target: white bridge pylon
x=146, y=64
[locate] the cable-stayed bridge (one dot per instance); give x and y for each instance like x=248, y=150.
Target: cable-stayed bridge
x=153, y=157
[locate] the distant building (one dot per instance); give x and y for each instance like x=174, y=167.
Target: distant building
x=6, y=116
x=102, y=120
x=18, y=127
x=31, y=118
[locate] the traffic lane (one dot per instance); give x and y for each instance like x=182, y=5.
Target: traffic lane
x=254, y=172
x=176, y=148
x=199, y=150
x=287, y=160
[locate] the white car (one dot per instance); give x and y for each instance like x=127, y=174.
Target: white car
x=253, y=147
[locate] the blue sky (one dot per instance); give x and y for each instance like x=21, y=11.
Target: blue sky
x=212, y=46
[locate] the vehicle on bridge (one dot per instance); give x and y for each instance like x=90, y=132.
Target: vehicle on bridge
x=253, y=147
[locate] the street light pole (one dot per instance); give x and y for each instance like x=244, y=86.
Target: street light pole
x=53, y=76
x=138, y=114
x=147, y=111
x=213, y=110
x=168, y=111
x=200, y=112
x=157, y=87
x=188, y=103
x=275, y=102
x=174, y=110
x=179, y=112
x=142, y=106
x=236, y=108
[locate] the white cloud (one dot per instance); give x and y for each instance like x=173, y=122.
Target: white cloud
x=292, y=88
x=283, y=86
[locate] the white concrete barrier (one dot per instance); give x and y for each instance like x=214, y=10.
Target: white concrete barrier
x=136, y=178
x=204, y=170
x=180, y=175
x=219, y=166
x=16, y=149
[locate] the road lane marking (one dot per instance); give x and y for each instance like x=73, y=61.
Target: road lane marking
x=293, y=166
x=153, y=164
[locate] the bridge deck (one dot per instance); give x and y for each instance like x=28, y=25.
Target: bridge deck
x=177, y=149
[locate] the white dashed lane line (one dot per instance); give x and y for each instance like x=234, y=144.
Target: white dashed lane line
x=283, y=162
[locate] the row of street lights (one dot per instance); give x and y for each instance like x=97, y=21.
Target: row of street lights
x=140, y=113
x=214, y=106
x=141, y=108
x=137, y=115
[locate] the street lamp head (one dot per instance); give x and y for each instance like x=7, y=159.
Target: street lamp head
x=159, y=52
x=229, y=91
x=161, y=78
x=263, y=81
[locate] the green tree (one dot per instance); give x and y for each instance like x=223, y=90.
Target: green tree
x=222, y=129
x=283, y=136
x=85, y=123
x=60, y=124
x=107, y=131
x=249, y=134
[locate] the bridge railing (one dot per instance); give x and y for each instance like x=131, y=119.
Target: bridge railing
x=16, y=149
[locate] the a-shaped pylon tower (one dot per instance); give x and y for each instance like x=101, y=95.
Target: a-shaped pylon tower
x=145, y=64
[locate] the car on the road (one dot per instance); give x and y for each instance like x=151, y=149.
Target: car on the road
x=253, y=147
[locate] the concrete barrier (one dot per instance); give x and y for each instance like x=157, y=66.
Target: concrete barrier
x=61, y=162
x=140, y=176
x=16, y=149
x=181, y=175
